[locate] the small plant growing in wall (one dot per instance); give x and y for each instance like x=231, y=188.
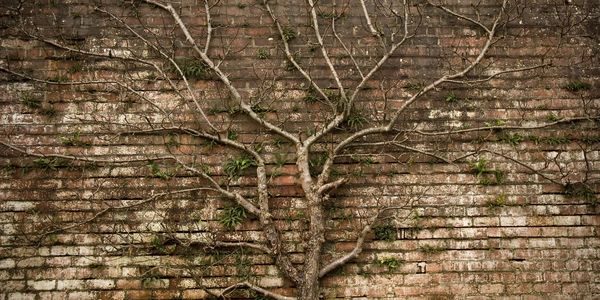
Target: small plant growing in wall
x=385, y=233
x=452, y=98
x=431, y=249
x=232, y=216
x=577, y=86
x=512, y=139
x=74, y=139
x=48, y=111
x=581, y=190
x=390, y=263
x=31, y=101
x=236, y=166
x=49, y=164
x=157, y=245
x=316, y=161
x=311, y=95
x=262, y=54
x=552, y=117
x=356, y=120
x=193, y=68
x=495, y=123
x=157, y=172
x=485, y=174
x=288, y=34
x=497, y=201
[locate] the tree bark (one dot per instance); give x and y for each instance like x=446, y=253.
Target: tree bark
x=309, y=286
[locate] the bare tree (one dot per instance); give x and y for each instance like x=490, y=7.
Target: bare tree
x=218, y=115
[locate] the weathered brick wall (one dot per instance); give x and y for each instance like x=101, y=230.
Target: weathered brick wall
x=525, y=227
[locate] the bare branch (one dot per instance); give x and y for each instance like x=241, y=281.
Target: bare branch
x=173, y=63
x=360, y=241
x=222, y=76
x=461, y=16
x=344, y=259
x=348, y=52
x=104, y=211
x=209, y=27
x=341, y=117
x=260, y=247
x=331, y=186
x=520, y=163
x=81, y=158
x=315, y=25
x=502, y=127
x=291, y=58
x=66, y=83
x=496, y=74
x=368, y=19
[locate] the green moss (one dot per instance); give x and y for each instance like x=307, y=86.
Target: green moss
x=556, y=140
x=495, y=123
x=414, y=86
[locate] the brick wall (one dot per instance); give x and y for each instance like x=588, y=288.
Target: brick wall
x=92, y=205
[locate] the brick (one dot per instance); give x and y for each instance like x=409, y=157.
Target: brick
x=165, y=294
x=31, y=262
x=513, y=221
x=43, y=285
x=194, y=294
x=111, y=295
x=70, y=284
x=140, y=295
x=7, y=263
x=52, y=295
x=21, y=296
x=129, y=284
x=101, y=284
x=82, y=295
x=491, y=288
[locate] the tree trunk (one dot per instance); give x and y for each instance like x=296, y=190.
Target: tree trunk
x=309, y=288
x=309, y=292
x=309, y=285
